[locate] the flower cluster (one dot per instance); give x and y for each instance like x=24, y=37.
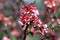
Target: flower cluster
x=29, y=14
x=30, y=20
x=51, y=5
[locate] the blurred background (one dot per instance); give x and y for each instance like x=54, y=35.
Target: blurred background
x=10, y=29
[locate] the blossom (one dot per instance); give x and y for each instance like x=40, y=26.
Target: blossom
x=28, y=13
x=14, y=32
x=34, y=9
x=57, y=2
x=7, y=21
x=38, y=23
x=32, y=30
x=51, y=5
x=30, y=8
x=58, y=20
x=1, y=17
x=45, y=26
x=5, y=38
x=52, y=18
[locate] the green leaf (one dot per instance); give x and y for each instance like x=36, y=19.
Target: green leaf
x=13, y=37
x=58, y=26
x=35, y=37
x=28, y=32
x=51, y=27
x=3, y=33
x=57, y=14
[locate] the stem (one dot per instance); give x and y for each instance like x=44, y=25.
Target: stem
x=25, y=32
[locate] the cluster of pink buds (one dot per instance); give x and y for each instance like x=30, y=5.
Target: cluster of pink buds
x=28, y=13
x=7, y=20
x=43, y=29
x=51, y=5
